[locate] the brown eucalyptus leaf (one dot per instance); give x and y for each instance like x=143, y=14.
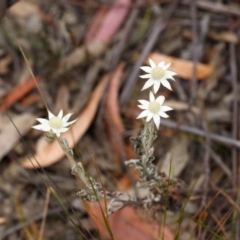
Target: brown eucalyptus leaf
x=183, y=68
x=112, y=105
x=110, y=23
x=127, y=225
x=9, y=135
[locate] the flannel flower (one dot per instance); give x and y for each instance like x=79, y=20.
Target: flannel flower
x=153, y=109
x=55, y=124
x=157, y=75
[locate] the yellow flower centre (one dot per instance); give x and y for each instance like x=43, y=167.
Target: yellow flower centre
x=157, y=73
x=154, y=107
x=55, y=123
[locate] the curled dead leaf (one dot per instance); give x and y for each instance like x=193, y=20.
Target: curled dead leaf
x=183, y=68
x=112, y=105
x=9, y=135
x=127, y=225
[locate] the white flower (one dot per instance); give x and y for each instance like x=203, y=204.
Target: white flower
x=55, y=124
x=157, y=74
x=153, y=109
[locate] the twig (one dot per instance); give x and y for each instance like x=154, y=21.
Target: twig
x=221, y=223
x=193, y=85
x=233, y=68
x=220, y=163
x=215, y=6
x=206, y=165
x=198, y=132
x=195, y=131
x=38, y=217
x=44, y=216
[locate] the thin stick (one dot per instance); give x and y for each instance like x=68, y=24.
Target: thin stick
x=198, y=132
x=215, y=6
x=45, y=210
x=233, y=68
x=193, y=85
x=206, y=165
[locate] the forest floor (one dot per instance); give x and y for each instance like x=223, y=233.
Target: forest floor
x=84, y=57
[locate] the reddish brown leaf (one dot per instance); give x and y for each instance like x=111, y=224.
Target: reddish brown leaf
x=183, y=68
x=17, y=93
x=113, y=117
x=95, y=24
x=112, y=106
x=127, y=225
x=110, y=23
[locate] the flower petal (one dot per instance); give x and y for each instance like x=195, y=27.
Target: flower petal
x=151, y=97
x=166, y=84
x=166, y=108
x=146, y=69
x=156, y=120
x=152, y=63
x=148, y=84
x=50, y=115
x=69, y=123
x=145, y=76
x=54, y=130
x=156, y=86
x=60, y=114
x=163, y=114
x=160, y=100
x=166, y=66
x=170, y=74
x=144, y=102
x=143, y=114
x=61, y=130
x=143, y=107
x=41, y=127
x=57, y=133
x=161, y=64
x=43, y=121
x=66, y=118
x=149, y=116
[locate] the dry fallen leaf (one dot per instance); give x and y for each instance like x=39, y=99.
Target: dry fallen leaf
x=53, y=152
x=112, y=106
x=91, y=33
x=127, y=225
x=183, y=68
x=18, y=92
x=176, y=159
x=9, y=135
x=225, y=36
x=111, y=22
x=24, y=9
x=113, y=118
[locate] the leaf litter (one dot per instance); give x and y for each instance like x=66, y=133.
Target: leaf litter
x=71, y=47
